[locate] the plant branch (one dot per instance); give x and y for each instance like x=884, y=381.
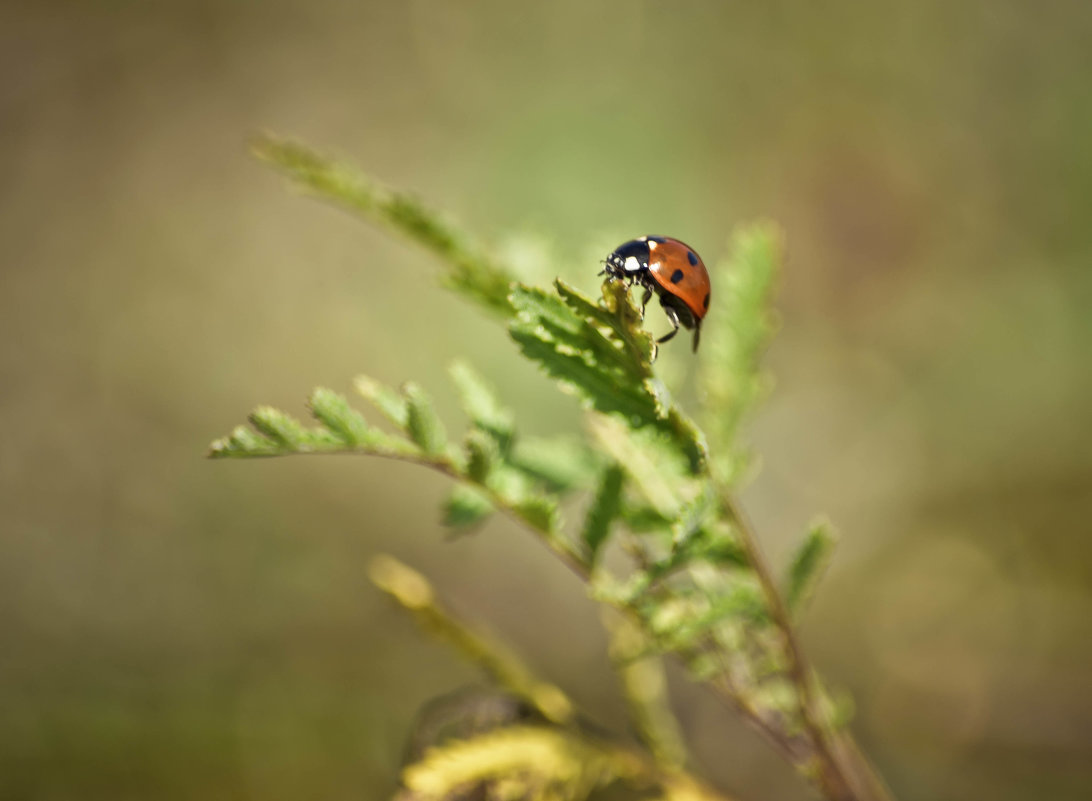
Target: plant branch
x=818, y=760
x=832, y=773
x=572, y=559
x=601, y=352
x=834, y=782
x=416, y=595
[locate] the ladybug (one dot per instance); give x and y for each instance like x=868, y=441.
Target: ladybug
x=673, y=271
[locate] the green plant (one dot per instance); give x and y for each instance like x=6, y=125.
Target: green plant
x=696, y=586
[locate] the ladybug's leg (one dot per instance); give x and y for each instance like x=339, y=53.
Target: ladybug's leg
x=645, y=298
x=673, y=316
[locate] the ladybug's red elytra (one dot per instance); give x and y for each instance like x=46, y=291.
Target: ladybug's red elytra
x=673, y=271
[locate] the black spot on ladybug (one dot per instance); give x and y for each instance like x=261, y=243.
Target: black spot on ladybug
x=690, y=257
x=705, y=303
x=676, y=276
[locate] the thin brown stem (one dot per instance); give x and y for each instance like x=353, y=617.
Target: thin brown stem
x=725, y=689
x=836, y=784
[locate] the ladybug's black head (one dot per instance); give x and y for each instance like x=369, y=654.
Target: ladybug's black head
x=629, y=259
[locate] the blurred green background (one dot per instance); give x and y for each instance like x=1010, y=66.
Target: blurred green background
x=178, y=629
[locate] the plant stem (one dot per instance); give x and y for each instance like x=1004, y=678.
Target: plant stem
x=833, y=775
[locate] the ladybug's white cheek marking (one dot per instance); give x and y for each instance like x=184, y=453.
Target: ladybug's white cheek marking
x=632, y=265
x=653, y=245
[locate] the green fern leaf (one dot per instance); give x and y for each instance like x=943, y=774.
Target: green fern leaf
x=481, y=405
x=572, y=332
x=243, y=442
x=280, y=428
x=482, y=456
x=610, y=372
x=808, y=564
x=559, y=463
x=275, y=433
x=540, y=512
x=346, y=423
x=643, y=518
x=465, y=507
x=738, y=330
x=388, y=402
x=604, y=510
x=596, y=387
x=469, y=270
x=422, y=423
x=718, y=548
x=684, y=622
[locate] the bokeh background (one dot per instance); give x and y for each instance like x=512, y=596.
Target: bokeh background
x=178, y=629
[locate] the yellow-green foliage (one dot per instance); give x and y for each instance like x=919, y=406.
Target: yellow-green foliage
x=518, y=762
x=691, y=583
